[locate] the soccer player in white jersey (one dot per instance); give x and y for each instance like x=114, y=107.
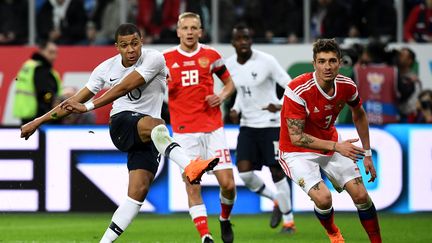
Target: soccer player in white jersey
x=309, y=141
x=255, y=75
x=196, y=117
x=137, y=77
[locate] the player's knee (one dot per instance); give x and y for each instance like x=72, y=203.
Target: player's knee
x=138, y=192
x=360, y=197
x=228, y=186
x=323, y=201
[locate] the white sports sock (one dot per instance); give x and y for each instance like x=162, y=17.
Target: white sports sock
x=198, y=211
x=122, y=217
x=256, y=184
x=165, y=143
x=283, y=197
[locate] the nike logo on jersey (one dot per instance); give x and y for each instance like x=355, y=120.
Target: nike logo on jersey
x=135, y=114
x=316, y=110
x=175, y=65
x=254, y=75
x=112, y=79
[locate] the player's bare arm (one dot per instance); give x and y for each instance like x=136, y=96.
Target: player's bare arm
x=56, y=113
x=130, y=82
x=228, y=89
x=300, y=138
x=362, y=126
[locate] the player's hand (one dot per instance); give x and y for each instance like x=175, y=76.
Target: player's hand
x=369, y=168
x=29, y=128
x=73, y=106
x=234, y=116
x=272, y=108
x=348, y=149
x=213, y=100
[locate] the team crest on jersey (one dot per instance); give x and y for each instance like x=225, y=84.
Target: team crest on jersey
x=375, y=81
x=204, y=62
x=301, y=183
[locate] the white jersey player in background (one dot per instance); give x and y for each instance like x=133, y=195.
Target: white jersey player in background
x=137, y=78
x=255, y=75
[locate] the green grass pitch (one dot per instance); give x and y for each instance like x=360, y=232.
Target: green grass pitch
x=176, y=228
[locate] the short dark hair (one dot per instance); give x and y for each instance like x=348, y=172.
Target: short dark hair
x=126, y=29
x=326, y=45
x=239, y=27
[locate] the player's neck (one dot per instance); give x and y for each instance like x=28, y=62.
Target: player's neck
x=242, y=59
x=189, y=49
x=327, y=86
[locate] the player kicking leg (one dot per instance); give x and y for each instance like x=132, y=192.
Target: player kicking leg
x=143, y=163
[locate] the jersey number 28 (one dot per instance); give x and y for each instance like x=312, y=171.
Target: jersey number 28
x=189, y=77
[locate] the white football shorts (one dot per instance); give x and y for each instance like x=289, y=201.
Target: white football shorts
x=206, y=145
x=304, y=169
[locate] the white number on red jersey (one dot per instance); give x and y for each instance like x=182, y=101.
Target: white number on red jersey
x=189, y=77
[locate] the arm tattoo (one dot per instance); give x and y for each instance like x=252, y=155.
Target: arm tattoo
x=296, y=128
x=316, y=187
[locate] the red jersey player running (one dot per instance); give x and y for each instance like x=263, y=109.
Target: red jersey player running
x=309, y=140
x=196, y=117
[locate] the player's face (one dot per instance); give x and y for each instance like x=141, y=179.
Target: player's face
x=189, y=31
x=242, y=41
x=326, y=66
x=129, y=47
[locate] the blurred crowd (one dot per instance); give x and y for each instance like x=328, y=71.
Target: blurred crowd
x=92, y=22
x=388, y=83
x=398, y=99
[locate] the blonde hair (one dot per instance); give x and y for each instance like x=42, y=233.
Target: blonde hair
x=189, y=15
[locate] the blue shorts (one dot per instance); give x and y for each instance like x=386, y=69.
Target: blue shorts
x=258, y=145
x=124, y=135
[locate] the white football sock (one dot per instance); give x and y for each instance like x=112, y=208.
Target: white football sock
x=121, y=219
x=198, y=211
x=167, y=146
x=283, y=197
x=256, y=184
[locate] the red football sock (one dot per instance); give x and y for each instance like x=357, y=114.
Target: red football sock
x=369, y=220
x=327, y=221
x=201, y=225
x=226, y=211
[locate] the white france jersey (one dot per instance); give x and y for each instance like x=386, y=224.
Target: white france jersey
x=146, y=99
x=255, y=82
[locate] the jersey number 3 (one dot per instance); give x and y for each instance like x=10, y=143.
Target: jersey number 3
x=189, y=77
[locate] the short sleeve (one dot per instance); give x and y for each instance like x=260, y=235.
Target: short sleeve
x=152, y=64
x=293, y=106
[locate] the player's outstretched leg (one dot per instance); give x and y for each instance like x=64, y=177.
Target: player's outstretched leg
x=166, y=145
x=197, y=167
x=369, y=219
x=121, y=219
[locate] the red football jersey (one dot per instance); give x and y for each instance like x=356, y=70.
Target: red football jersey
x=304, y=99
x=190, y=81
